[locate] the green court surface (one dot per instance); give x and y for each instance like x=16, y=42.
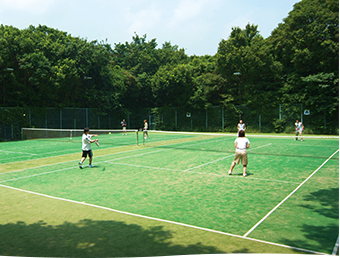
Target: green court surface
x=169, y=195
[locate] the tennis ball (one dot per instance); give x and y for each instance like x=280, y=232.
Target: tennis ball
x=109, y=132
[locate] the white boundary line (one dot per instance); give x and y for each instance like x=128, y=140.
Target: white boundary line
x=200, y=173
x=160, y=220
x=225, y=158
x=18, y=152
x=336, y=247
x=50, y=172
x=248, y=135
x=285, y=199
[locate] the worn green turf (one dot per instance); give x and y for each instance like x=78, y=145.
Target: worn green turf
x=184, y=179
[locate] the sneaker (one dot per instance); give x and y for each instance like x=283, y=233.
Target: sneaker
x=80, y=165
x=91, y=166
x=244, y=175
x=302, y=140
x=229, y=172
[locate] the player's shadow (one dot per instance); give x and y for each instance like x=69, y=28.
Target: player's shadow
x=92, y=238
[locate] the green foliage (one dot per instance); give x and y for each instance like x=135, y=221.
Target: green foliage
x=279, y=125
x=298, y=63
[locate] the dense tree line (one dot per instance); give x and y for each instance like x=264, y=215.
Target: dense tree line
x=298, y=63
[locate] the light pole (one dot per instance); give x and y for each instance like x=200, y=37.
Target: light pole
x=3, y=83
x=239, y=92
x=84, y=85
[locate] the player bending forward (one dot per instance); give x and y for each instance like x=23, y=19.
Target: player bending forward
x=86, y=147
x=241, y=145
x=298, y=128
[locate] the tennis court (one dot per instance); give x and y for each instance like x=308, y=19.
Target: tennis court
x=174, y=190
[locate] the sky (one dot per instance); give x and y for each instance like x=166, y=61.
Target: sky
x=195, y=25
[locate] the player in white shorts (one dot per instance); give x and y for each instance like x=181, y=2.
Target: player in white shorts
x=299, y=129
x=241, y=145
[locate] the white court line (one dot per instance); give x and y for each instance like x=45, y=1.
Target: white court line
x=141, y=154
x=285, y=199
x=17, y=152
x=40, y=174
x=161, y=220
x=336, y=247
x=225, y=158
x=201, y=173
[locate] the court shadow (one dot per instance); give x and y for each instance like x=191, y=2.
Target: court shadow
x=329, y=200
x=92, y=238
x=320, y=237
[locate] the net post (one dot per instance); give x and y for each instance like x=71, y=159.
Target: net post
x=70, y=135
x=137, y=136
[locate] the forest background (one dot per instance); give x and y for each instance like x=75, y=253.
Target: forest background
x=268, y=82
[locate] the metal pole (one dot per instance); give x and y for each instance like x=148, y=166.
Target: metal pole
x=206, y=118
x=260, y=122
x=280, y=112
x=222, y=117
x=176, y=118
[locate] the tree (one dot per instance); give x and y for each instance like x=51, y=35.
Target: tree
x=252, y=75
x=172, y=85
x=307, y=45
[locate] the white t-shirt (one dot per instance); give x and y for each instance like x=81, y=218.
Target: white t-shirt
x=86, y=141
x=241, y=127
x=145, y=126
x=242, y=143
x=298, y=126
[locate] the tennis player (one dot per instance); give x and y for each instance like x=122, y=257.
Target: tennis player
x=145, y=130
x=298, y=129
x=86, y=147
x=241, y=145
x=241, y=126
x=124, y=127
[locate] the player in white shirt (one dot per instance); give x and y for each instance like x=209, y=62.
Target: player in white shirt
x=241, y=145
x=145, y=130
x=241, y=126
x=299, y=129
x=86, y=147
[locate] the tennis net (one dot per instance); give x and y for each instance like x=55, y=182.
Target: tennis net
x=106, y=136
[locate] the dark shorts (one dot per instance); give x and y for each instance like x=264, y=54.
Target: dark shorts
x=89, y=153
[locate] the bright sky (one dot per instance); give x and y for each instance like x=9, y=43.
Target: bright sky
x=195, y=25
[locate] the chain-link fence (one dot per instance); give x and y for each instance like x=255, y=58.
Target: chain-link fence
x=218, y=118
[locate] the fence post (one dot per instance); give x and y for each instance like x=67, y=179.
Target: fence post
x=87, y=117
x=176, y=118
x=61, y=119
x=29, y=118
x=206, y=119
x=280, y=111
x=260, y=122
x=223, y=118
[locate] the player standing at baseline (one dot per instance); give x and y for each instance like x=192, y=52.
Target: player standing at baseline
x=241, y=126
x=298, y=128
x=86, y=147
x=145, y=130
x=124, y=127
x=241, y=145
